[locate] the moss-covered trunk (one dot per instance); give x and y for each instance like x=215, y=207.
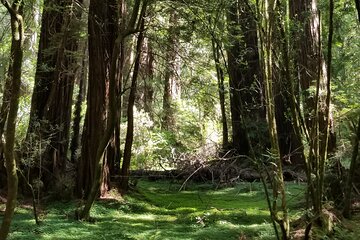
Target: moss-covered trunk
x=17, y=29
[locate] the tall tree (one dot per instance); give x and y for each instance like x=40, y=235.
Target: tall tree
x=97, y=15
x=146, y=89
x=17, y=29
x=130, y=111
x=221, y=87
x=172, y=73
x=244, y=73
x=313, y=79
x=267, y=36
x=82, y=82
x=113, y=153
x=102, y=30
x=351, y=174
x=50, y=113
x=286, y=93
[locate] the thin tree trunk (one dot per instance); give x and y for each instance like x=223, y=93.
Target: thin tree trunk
x=17, y=29
x=267, y=36
x=349, y=183
x=149, y=89
x=75, y=141
x=4, y=111
x=357, y=4
x=124, y=182
x=312, y=72
x=221, y=89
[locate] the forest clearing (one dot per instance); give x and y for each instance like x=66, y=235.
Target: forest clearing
x=157, y=210
x=179, y=119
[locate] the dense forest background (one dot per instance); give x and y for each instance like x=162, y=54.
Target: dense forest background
x=95, y=93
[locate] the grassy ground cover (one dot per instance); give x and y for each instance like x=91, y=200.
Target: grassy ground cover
x=157, y=210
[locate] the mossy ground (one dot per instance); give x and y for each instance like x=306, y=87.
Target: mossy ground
x=157, y=210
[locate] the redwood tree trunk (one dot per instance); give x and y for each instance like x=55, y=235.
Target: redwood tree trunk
x=351, y=174
x=4, y=111
x=172, y=71
x=113, y=100
x=312, y=74
x=113, y=152
x=17, y=29
x=50, y=113
x=221, y=89
x=148, y=78
x=101, y=40
x=75, y=140
x=247, y=111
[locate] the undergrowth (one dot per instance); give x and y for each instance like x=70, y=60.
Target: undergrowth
x=157, y=210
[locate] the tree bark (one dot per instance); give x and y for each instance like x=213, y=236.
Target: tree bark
x=286, y=95
x=4, y=111
x=113, y=152
x=145, y=95
x=17, y=29
x=357, y=4
x=50, y=113
x=76, y=138
x=312, y=74
x=244, y=75
x=268, y=47
x=101, y=40
x=148, y=78
x=172, y=72
x=124, y=182
x=350, y=178
x=113, y=100
x=221, y=88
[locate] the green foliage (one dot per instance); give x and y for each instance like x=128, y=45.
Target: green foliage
x=346, y=65
x=151, y=144
x=159, y=211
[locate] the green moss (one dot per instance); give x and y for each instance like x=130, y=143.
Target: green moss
x=157, y=210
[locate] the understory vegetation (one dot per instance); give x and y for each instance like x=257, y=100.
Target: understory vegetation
x=179, y=119
x=157, y=210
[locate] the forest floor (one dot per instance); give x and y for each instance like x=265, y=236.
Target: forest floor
x=157, y=210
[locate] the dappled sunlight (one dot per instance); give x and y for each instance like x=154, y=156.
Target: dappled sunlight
x=153, y=213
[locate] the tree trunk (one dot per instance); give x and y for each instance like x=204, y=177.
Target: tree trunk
x=286, y=96
x=124, y=182
x=353, y=164
x=312, y=73
x=4, y=111
x=145, y=96
x=268, y=49
x=76, y=138
x=357, y=4
x=221, y=88
x=113, y=152
x=113, y=100
x=17, y=29
x=50, y=113
x=149, y=77
x=244, y=75
x=100, y=53
x=172, y=72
